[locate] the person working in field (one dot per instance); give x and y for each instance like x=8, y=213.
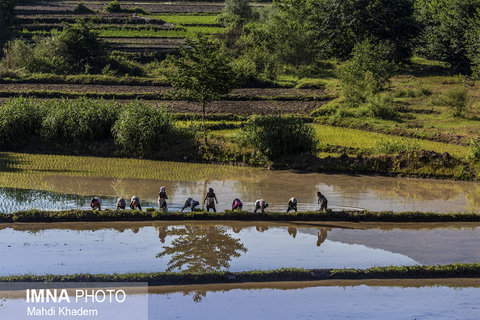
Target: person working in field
x=162, y=199
x=190, y=203
x=260, y=204
x=95, y=203
x=322, y=201
x=237, y=204
x=292, y=204
x=121, y=204
x=211, y=198
x=135, y=203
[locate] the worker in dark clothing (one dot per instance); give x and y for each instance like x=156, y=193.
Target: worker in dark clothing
x=292, y=204
x=322, y=201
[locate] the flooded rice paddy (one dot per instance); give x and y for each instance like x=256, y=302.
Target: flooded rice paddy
x=64, y=182
x=296, y=301
x=56, y=192
x=236, y=246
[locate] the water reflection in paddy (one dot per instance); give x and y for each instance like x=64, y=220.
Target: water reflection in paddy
x=199, y=247
x=342, y=191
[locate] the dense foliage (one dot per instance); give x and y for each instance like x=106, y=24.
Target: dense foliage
x=446, y=26
x=143, y=130
x=7, y=15
x=78, y=123
x=20, y=120
x=277, y=136
x=75, y=50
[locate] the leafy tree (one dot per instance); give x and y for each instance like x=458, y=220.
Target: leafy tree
x=201, y=249
x=7, y=15
x=335, y=26
x=202, y=73
x=445, y=30
x=236, y=12
x=473, y=44
x=367, y=73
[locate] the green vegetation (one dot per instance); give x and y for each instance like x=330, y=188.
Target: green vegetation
x=143, y=130
x=153, y=214
x=115, y=7
x=7, y=16
x=75, y=50
x=20, y=120
x=457, y=270
x=474, y=150
x=78, y=123
x=395, y=146
x=82, y=8
x=181, y=32
x=277, y=136
x=202, y=74
x=182, y=19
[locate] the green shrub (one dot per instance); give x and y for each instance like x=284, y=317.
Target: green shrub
x=20, y=119
x=457, y=101
x=395, y=146
x=381, y=106
x=78, y=123
x=113, y=6
x=145, y=130
x=474, y=150
x=275, y=136
x=82, y=8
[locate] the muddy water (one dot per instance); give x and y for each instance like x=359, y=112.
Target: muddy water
x=342, y=191
x=201, y=247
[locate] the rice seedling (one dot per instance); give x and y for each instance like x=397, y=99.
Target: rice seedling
x=185, y=19
x=355, y=138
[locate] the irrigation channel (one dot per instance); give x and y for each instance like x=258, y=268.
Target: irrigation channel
x=73, y=248
x=59, y=192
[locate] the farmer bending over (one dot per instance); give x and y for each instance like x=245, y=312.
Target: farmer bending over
x=260, y=204
x=135, y=203
x=162, y=199
x=237, y=204
x=95, y=203
x=211, y=198
x=190, y=203
x=121, y=204
x=322, y=201
x=292, y=204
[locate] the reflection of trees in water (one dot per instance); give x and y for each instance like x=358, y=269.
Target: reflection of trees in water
x=201, y=248
x=407, y=189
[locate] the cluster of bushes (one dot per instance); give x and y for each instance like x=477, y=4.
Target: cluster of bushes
x=115, y=7
x=275, y=136
x=75, y=50
x=138, y=129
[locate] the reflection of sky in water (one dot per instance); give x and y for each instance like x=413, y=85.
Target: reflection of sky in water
x=359, y=302
x=104, y=251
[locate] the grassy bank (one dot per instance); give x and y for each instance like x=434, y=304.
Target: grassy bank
x=152, y=214
x=165, y=278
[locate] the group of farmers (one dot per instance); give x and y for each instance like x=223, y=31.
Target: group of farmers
x=210, y=200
